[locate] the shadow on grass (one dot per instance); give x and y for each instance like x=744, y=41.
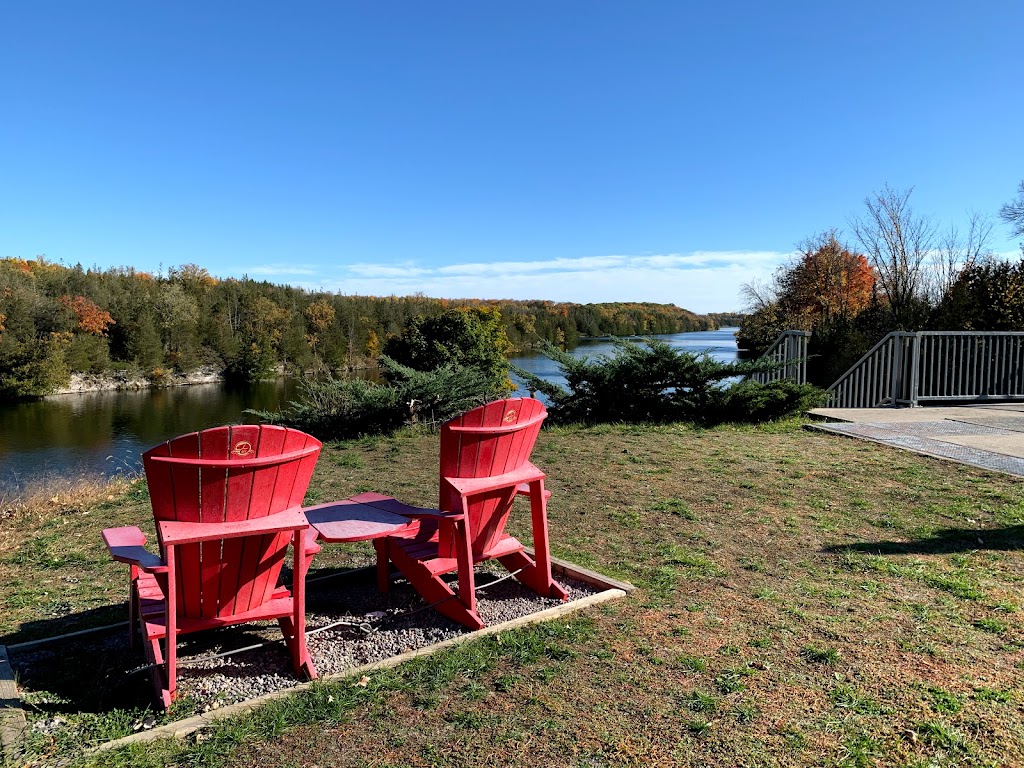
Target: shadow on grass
x=945, y=541
x=71, y=622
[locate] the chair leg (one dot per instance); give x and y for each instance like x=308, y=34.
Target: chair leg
x=158, y=670
x=383, y=565
x=436, y=592
x=171, y=625
x=133, y=599
x=300, y=653
x=544, y=583
x=464, y=557
x=532, y=577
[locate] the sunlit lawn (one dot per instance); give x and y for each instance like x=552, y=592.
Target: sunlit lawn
x=804, y=599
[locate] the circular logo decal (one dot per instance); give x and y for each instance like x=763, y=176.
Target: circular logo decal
x=510, y=416
x=242, y=448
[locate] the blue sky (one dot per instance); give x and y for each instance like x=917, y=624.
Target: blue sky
x=578, y=151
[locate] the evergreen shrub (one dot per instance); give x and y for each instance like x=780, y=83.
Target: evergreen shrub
x=345, y=408
x=653, y=382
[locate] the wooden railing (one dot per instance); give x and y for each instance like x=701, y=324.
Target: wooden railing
x=789, y=354
x=907, y=368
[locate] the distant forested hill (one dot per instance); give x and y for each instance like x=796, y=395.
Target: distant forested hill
x=55, y=320
x=726, y=319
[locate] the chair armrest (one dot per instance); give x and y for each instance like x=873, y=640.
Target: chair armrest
x=127, y=546
x=174, y=533
x=469, y=486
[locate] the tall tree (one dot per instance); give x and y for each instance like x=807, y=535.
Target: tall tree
x=472, y=338
x=897, y=241
x=827, y=282
x=957, y=252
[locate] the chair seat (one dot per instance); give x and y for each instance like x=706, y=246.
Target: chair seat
x=427, y=552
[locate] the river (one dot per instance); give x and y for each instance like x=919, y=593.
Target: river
x=104, y=433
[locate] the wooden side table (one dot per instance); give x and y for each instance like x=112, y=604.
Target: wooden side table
x=364, y=517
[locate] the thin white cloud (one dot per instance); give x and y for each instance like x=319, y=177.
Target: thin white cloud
x=386, y=271
x=703, y=281
x=527, y=267
x=276, y=270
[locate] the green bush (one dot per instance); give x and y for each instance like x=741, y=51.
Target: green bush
x=749, y=401
x=340, y=408
x=654, y=382
x=462, y=337
x=442, y=394
x=345, y=408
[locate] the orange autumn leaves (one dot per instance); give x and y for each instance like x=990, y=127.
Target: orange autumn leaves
x=91, y=319
x=827, y=282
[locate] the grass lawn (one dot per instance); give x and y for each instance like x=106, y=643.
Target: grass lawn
x=804, y=600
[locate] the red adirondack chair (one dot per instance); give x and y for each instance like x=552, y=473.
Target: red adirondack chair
x=227, y=503
x=484, y=465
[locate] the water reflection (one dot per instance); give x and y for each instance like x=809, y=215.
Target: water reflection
x=105, y=432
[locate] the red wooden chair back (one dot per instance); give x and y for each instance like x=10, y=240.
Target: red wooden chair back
x=229, y=474
x=491, y=440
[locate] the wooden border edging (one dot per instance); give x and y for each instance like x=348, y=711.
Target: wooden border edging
x=587, y=576
x=611, y=589
x=12, y=716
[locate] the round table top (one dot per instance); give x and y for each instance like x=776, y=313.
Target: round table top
x=359, y=518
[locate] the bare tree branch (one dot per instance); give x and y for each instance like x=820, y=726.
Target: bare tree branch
x=897, y=241
x=956, y=253
x=1013, y=212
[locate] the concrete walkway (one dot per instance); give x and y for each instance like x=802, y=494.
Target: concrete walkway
x=987, y=436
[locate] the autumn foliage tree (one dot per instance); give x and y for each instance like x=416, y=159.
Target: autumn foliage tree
x=828, y=282
x=825, y=283
x=319, y=316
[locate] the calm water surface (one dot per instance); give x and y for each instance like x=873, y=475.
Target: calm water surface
x=105, y=432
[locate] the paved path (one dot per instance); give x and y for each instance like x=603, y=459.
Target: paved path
x=987, y=436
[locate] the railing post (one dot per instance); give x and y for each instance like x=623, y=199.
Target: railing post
x=915, y=368
x=804, y=345
x=896, y=374
x=790, y=356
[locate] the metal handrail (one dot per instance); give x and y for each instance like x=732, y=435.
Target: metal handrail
x=789, y=351
x=934, y=366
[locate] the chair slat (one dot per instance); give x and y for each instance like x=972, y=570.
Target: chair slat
x=271, y=443
x=185, y=484
x=242, y=444
x=213, y=445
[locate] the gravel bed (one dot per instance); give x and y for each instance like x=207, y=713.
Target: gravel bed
x=375, y=627
x=349, y=623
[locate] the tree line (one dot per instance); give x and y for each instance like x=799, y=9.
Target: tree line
x=896, y=270
x=56, y=320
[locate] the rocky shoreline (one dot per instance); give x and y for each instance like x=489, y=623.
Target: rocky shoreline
x=121, y=381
